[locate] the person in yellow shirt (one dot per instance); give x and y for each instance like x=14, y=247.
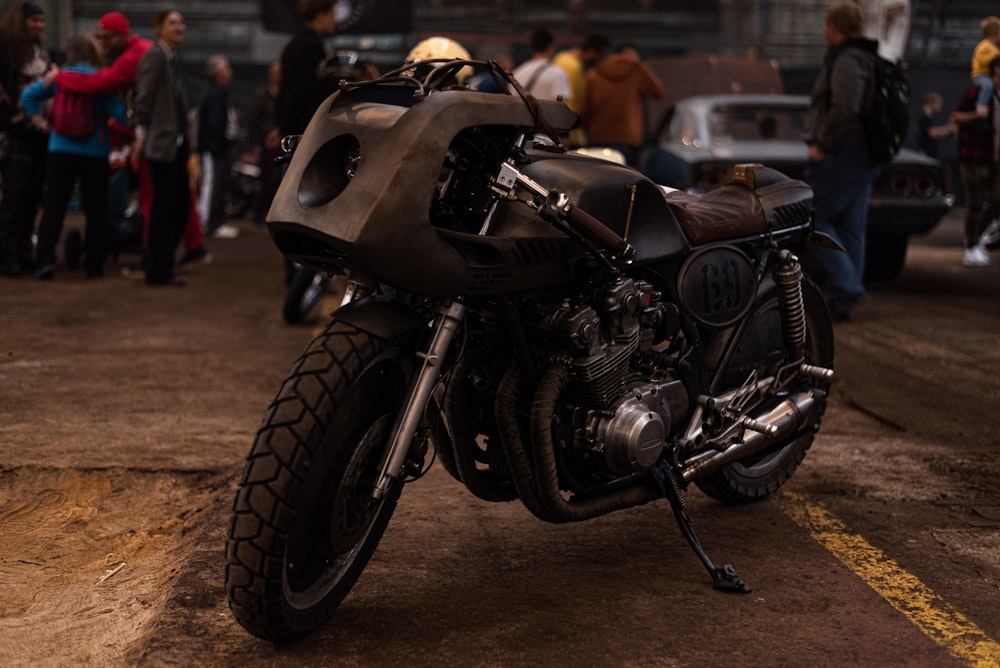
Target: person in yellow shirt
x=574, y=63
x=985, y=52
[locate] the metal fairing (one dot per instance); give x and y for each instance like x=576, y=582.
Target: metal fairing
x=377, y=219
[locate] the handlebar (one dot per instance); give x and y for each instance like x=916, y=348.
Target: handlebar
x=600, y=234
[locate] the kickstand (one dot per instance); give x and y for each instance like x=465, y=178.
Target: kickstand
x=723, y=579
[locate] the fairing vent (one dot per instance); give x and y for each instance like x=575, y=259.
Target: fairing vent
x=528, y=252
x=329, y=171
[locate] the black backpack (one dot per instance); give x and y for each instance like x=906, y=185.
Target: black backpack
x=888, y=115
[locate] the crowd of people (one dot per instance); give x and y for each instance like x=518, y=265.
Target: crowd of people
x=173, y=156
x=181, y=149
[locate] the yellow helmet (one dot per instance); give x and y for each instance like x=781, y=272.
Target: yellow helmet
x=441, y=47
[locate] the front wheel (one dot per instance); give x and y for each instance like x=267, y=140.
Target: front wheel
x=762, y=347
x=304, y=521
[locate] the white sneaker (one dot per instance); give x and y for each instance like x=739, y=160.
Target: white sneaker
x=226, y=231
x=976, y=257
x=991, y=234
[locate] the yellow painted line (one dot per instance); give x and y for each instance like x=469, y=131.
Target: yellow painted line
x=933, y=615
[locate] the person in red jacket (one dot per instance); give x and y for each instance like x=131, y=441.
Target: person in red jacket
x=124, y=48
x=612, y=110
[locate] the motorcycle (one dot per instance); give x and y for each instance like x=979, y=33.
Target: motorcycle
x=551, y=327
x=241, y=187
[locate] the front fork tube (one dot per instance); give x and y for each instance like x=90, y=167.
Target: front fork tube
x=449, y=318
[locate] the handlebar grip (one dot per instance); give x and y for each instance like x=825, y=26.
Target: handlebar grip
x=599, y=233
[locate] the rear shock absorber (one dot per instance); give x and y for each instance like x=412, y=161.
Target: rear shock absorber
x=787, y=275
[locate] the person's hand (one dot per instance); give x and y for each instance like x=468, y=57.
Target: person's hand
x=39, y=123
x=50, y=76
x=815, y=154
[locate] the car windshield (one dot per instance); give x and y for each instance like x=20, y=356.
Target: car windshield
x=740, y=122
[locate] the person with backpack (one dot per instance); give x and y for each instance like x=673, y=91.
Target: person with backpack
x=841, y=169
x=537, y=74
x=79, y=142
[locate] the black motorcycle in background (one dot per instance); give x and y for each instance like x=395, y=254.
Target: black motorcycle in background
x=552, y=328
x=304, y=289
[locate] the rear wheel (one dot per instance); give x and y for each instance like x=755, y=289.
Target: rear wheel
x=304, y=521
x=763, y=347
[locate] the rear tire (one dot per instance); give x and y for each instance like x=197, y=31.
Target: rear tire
x=764, y=473
x=304, y=522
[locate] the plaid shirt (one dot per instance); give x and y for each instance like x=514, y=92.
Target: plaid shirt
x=975, y=138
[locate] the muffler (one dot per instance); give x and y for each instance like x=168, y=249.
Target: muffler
x=789, y=418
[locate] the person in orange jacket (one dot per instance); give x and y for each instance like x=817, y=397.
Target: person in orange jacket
x=612, y=110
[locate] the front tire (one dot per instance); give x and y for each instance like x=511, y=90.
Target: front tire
x=304, y=522
x=763, y=345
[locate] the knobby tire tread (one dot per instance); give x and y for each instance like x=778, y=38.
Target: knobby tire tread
x=275, y=472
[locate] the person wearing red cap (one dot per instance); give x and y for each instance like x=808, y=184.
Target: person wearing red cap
x=121, y=46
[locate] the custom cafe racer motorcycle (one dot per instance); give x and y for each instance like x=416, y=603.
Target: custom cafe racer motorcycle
x=552, y=328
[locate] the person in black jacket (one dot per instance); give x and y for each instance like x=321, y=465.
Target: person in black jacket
x=840, y=169
x=23, y=60
x=301, y=92
x=218, y=125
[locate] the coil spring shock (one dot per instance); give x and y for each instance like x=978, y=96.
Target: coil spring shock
x=787, y=275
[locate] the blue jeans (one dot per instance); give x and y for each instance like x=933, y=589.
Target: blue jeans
x=842, y=186
x=985, y=83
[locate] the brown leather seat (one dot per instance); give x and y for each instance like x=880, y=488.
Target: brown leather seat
x=729, y=212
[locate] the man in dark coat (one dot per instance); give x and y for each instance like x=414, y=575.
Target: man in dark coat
x=300, y=92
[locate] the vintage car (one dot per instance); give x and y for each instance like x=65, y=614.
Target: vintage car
x=703, y=135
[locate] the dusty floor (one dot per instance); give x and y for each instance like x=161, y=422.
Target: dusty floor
x=126, y=413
